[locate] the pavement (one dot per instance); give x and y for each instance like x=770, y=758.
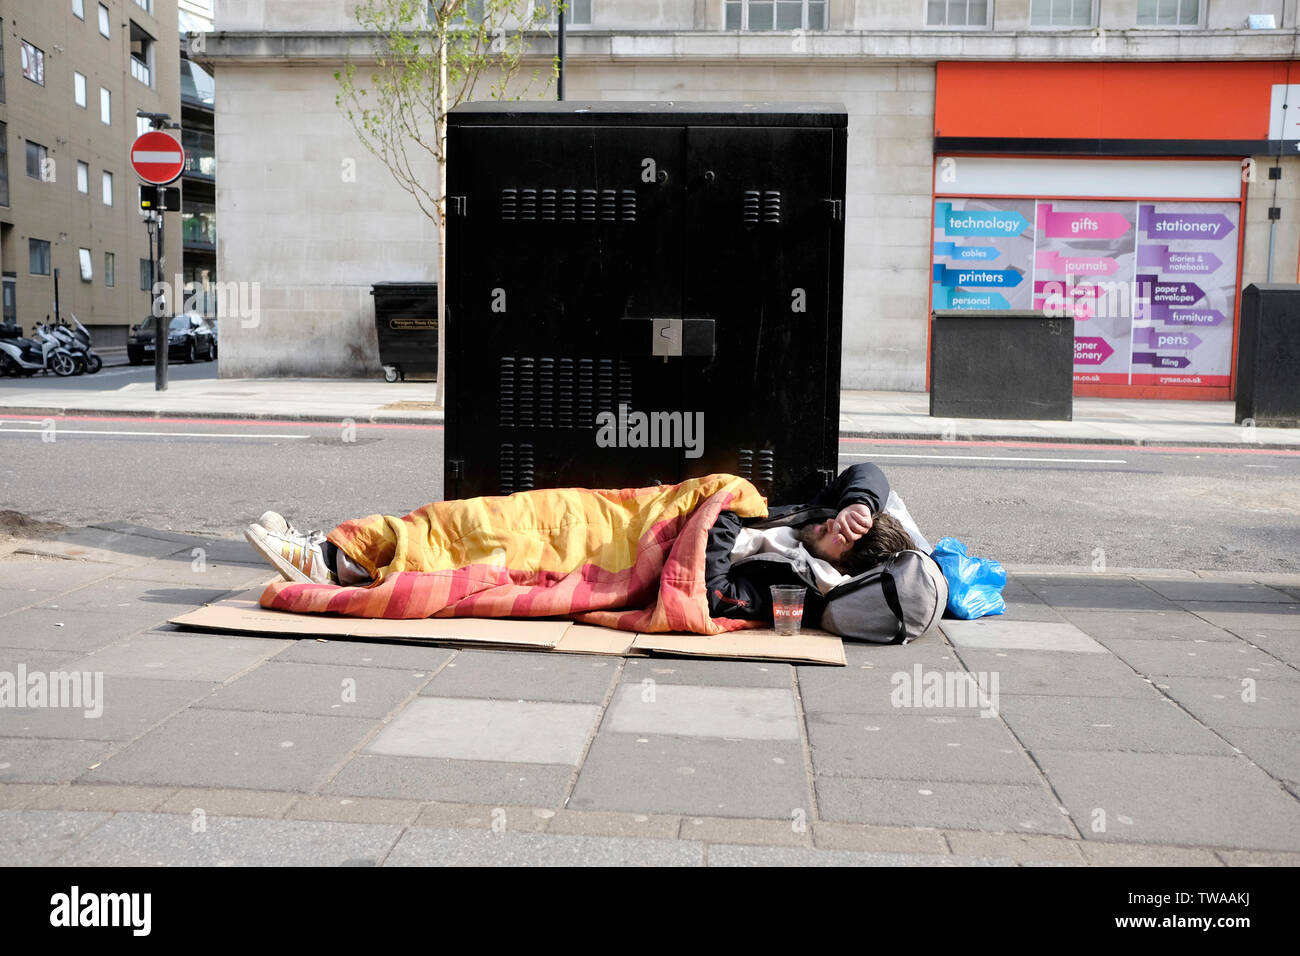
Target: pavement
x=1126, y=717
x=1134, y=717
x=863, y=414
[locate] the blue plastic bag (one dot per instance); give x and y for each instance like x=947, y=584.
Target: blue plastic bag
x=974, y=584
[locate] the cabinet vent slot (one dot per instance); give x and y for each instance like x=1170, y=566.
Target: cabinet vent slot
x=506, y=393
x=526, y=400
x=509, y=205
x=750, y=207
x=528, y=204
x=772, y=206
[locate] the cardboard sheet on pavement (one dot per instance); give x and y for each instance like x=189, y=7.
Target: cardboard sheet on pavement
x=241, y=613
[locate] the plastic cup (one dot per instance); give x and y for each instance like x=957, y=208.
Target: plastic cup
x=787, y=608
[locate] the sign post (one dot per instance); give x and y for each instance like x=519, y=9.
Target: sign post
x=158, y=159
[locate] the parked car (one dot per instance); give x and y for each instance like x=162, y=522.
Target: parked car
x=188, y=336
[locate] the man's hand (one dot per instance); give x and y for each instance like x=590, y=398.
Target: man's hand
x=853, y=522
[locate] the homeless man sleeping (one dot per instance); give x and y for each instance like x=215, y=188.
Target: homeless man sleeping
x=696, y=556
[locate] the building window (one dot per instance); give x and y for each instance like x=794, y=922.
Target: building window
x=1168, y=13
x=957, y=13
x=38, y=254
x=79, y=89
x=1060, y=13
x=146, y=273
x=142, y=47
x=79, y=9
x=2, y=61
x=87, y=267
x=142, y=126
x=104, y=28
x=108, y=188
x=775, y=15
x=576, y=12
x=105, y=106
x=83, y=178
x=38, y=161
x=4, y=164
x=110, y=269
x=145, y=5
x=33, y=63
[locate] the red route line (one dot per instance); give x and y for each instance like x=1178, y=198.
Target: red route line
x=142, y=419
x=1163, y=449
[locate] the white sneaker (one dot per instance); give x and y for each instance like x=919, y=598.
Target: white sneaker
x=275, y=522
x=297, y=556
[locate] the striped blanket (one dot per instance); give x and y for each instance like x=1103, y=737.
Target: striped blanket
x=631, y=559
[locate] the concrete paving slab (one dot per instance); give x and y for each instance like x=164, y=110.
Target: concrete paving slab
x=1219, y=591
x=199, y=802
x=427, y=846
x=872, y=839
x=109, y=798
x=1030, y=611
x=17, y=796
x=32, y=760
x=147, y=839
x=933, y=650
x=743, y=713
x=1107, y=626
x=154, y=601
x=1277, y=752
x=11, y=600
x=452, y=781
x=118, y=708
x=34, y=659
x=66, y=630
x=727, y=855
x=872, y=688
x=997, y=807
x=1113, y=596
x=493, y=730
x=37, y=837
x=1284, y=645
x=347, y=653
x=1144, y=725
x=792, y=832
x=173, y=655
x=993, y=632
x=1235, y=616
x=692, y=775
x=1200, y=659
x=1173, y=799
x=326, y=689
x=20, y=572
x=241, y=749
x=600, y=823
x=935, y=746
x=205, y=574
x=1258, y=858
x=355, y=810
x=664, y=670
x=1016, y=846
x=1135, y=854
x=509, y=675
x=1056, y=674
x=1230, y=702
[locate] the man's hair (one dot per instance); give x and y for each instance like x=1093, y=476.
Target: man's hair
x=886, y=537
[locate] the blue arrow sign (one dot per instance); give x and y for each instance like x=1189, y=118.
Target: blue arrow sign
x=979, y=222
x=946, y=297
x=977, y=278
x=954, y=251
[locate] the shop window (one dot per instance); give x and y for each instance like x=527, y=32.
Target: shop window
x=762, y=15
x=1060, y=13
x=38, y=254
x=33, y=63
x=1168, y=13
x=957, y=13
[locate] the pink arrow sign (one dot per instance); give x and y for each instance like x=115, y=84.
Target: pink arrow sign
x=1081, y=225
x=1076, y=265
x=1091, y=351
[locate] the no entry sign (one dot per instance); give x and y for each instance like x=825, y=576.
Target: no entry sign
x=157, y=158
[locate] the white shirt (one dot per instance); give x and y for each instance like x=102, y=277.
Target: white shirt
x=814, y=571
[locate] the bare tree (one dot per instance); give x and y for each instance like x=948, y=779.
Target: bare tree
x=428, y=56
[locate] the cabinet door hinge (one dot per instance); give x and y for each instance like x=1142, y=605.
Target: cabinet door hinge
x=458, y=205
x=837, y=209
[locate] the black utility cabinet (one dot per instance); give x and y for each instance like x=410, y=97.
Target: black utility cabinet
x=618, y=265
x=1001, y=364
x=1268, y=355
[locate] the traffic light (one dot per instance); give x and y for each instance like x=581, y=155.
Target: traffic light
x=162, y=198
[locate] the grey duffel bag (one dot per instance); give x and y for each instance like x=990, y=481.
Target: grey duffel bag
x=893, y=603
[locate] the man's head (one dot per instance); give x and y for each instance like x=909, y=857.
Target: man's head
x=886, y=537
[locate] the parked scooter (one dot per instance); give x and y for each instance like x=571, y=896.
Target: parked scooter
x=77, y=341
x=20, y=356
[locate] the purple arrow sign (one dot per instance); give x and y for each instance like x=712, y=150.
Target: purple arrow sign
x=1186, y=317
x=1091, y=351
x=1183, y=225
x=1180, y=260
x=1164, y=339
x=1169, y=293
x=1161, y=361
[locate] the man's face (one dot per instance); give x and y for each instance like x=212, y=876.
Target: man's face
x=823, y=541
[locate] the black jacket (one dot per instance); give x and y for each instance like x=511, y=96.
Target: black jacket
x=743, y=589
